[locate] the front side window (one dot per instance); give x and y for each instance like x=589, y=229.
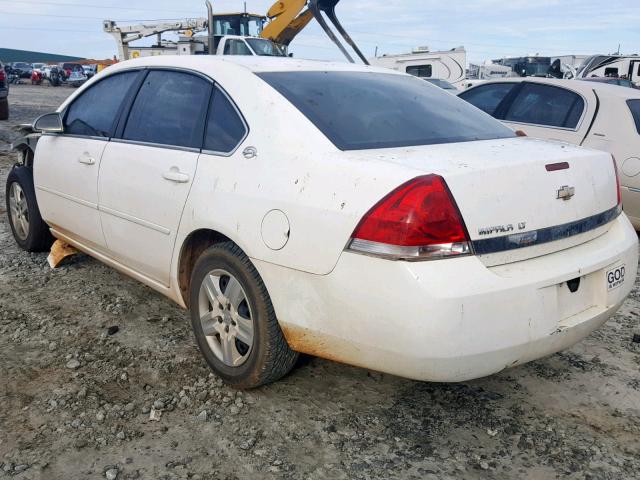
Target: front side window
x=364, y=110
x=422, y=71
x=546, y=105
x=169, y=110
x=634, y=106
x=94, y=113
x=488, y=97
x=225, y=128
x=236, y=47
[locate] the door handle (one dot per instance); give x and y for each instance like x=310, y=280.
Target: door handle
x=175, y=175
x=87, y=160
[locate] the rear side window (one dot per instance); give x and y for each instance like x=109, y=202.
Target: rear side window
x=225, y=128
x=488, y=97
x=634, y=106
x=94, y=113
x=169, y=110
x=364, y=110
x=546, y=105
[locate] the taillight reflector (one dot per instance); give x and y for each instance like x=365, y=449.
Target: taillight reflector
x=418, y=220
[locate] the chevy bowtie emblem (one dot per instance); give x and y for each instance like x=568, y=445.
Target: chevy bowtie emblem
x=566, y=192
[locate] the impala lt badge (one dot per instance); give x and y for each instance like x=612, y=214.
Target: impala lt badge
x=566, y=192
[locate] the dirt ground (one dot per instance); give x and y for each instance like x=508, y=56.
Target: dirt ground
x=76, y=396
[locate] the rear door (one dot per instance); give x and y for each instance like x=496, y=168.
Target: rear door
x=66, y=165
x=550, y=112
x=146, y=173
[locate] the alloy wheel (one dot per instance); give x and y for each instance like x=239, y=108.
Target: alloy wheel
x=19, y=211
x=226, y=318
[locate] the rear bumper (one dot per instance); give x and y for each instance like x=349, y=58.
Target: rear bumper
x=4, y=93
x=453, y=319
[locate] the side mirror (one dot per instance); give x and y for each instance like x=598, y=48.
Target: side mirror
x=49, y=123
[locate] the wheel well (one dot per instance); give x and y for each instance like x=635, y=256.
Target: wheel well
x=196, y=243
x=27, y=157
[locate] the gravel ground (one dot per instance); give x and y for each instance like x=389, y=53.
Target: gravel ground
x=100, y=378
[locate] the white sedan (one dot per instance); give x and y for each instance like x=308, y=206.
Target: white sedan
x=348, y=212
x=591, y=114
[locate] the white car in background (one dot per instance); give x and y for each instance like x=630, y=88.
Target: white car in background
x=349, y=212
x=590, y=114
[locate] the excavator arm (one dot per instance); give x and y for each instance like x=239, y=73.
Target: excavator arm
x=289, y=17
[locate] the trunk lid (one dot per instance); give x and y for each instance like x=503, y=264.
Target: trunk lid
x=513, y=206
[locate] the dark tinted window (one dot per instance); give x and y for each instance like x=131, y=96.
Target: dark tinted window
x=420, y=70
x=236, y=47
x=634, y=106
x=169, y=109
x=487, y=97
x=225, y=128
x=94, y=112
x=361, y=110
x=546, y=105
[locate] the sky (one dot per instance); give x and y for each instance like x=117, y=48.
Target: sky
x=486, y=28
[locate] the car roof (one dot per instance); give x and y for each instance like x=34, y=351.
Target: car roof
x=578, y=85
x=212, y=63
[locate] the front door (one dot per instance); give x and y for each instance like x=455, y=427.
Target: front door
x=66, y=165
x=146, y=174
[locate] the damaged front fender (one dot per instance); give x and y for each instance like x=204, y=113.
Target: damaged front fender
x=26, y=144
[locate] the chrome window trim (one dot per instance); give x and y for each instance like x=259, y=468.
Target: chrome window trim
x=155, y=145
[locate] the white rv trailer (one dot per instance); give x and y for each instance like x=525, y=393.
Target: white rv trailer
x=449, y=65
x=621, y=66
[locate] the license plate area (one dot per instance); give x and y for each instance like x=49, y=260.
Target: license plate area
x=579, y=294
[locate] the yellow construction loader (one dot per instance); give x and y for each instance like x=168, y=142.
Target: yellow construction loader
x=234, y=33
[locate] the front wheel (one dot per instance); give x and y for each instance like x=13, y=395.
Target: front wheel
x=234, y=322
x=29, y=230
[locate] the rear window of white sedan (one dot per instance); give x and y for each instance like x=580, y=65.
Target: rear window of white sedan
x=360, y=110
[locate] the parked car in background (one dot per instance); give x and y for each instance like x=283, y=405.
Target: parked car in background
x=591, y=114
x=69, y=67
x=4, y=93
x=400, y=229
x=77, y=77
x=38, y=66
x=90, y=70
x=443, y=84
x=22, y=69
x=622, y=82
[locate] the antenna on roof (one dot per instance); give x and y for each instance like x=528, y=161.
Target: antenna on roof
x=245, y=7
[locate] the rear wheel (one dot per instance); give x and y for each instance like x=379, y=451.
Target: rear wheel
x=4, y=109
x=234, y=322
x=29, y=230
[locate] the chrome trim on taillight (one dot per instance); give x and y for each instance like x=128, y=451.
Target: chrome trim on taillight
x=411, y=254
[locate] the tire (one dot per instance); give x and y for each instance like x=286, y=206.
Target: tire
x=266, y=356
x=35, y=236
x=4, y=109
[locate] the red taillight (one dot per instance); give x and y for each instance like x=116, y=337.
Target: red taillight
x=419, y=219
x=615, y=167
x=3, y=75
